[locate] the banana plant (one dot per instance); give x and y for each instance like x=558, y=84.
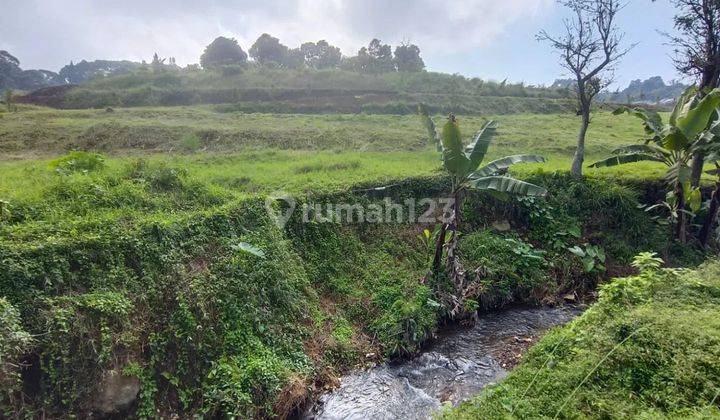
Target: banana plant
x=463, y=164
x=433, y=137
x=714, y=204
x=672, y=144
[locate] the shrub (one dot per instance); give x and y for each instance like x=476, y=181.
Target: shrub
x=14, y=342
x=78, y=161
x=507, y=268
x=190, y=143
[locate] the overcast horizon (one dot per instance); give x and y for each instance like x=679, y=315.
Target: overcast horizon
x=470, y=37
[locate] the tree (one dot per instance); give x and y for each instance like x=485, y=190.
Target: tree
x=381, y=59
x=363, y=61
x=157, y=63
x=407, y=58
x=463, y=166
x=222, y=51
x=268, y=51
x=588, y=48
x=672, y=144
x=321, y=55
x=293, y=59
x=697, y=52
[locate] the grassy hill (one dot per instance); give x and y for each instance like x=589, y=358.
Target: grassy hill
x=307, y=91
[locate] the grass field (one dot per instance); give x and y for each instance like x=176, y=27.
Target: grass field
x=234, y=155
x=42, y=132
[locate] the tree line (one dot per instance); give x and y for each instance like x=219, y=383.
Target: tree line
x=268, y=51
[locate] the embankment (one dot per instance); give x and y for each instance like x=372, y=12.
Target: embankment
x=220, y=312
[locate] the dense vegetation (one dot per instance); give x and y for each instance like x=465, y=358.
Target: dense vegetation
x=142, y=269
x=144, y=272
x=323, y=295
x=647, y=349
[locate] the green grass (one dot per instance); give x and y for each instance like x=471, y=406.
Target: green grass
x=42, y=131
x=648, y=349
x=237, y=155
x=265, y=78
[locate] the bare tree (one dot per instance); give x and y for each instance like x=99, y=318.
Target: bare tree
x=589, y=48
x=697, y=52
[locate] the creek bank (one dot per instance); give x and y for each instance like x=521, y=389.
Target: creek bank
x=456, y=366
x=210, y=330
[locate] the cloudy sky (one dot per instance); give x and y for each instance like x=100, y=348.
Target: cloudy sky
x=492, y=39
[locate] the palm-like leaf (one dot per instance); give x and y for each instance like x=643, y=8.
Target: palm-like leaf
x=627, y=158
x=480, y=145
x=650, y=149
x=674, y=140
x=508, y=185
x=498, y=165
x=429, y=125
x=679, y=173
x=682, y=104
x=694, y=120
x=454, y=159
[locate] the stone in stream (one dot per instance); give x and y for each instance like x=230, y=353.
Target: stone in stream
x=457, y=366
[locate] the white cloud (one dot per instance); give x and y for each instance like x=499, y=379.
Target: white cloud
x=49, y=33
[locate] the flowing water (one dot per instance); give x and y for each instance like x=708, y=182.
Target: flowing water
x=457, y=366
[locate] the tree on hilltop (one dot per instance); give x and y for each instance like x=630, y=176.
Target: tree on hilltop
x=222, y=51
x=268, y=51
x=407, y=58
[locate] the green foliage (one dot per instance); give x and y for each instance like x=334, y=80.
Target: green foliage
x=463, y=166
x=508, y=269
x=78, y=161
x=597, y=211
x=255, y=84
x=672, y=143
x=190, y=143
x=14, y=343
x=592, y=257
x=140, y=267
x=5, y=212
x=407, y=323
x=647, y=349
x=222, y=52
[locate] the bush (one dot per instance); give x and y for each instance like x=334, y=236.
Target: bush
x=190, y=143
x=14, y=343
x=507, y=268
x=78, y=161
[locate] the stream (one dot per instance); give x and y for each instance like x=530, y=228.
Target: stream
x=458, y=365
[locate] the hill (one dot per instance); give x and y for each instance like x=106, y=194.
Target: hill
x=258, y=89
x=12, y=76
x=651, y=91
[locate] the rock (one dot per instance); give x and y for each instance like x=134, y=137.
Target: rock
x=501, y=225
x=115, y=393
x=570, y=297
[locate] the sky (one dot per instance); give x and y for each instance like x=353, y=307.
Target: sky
x=491, y=39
